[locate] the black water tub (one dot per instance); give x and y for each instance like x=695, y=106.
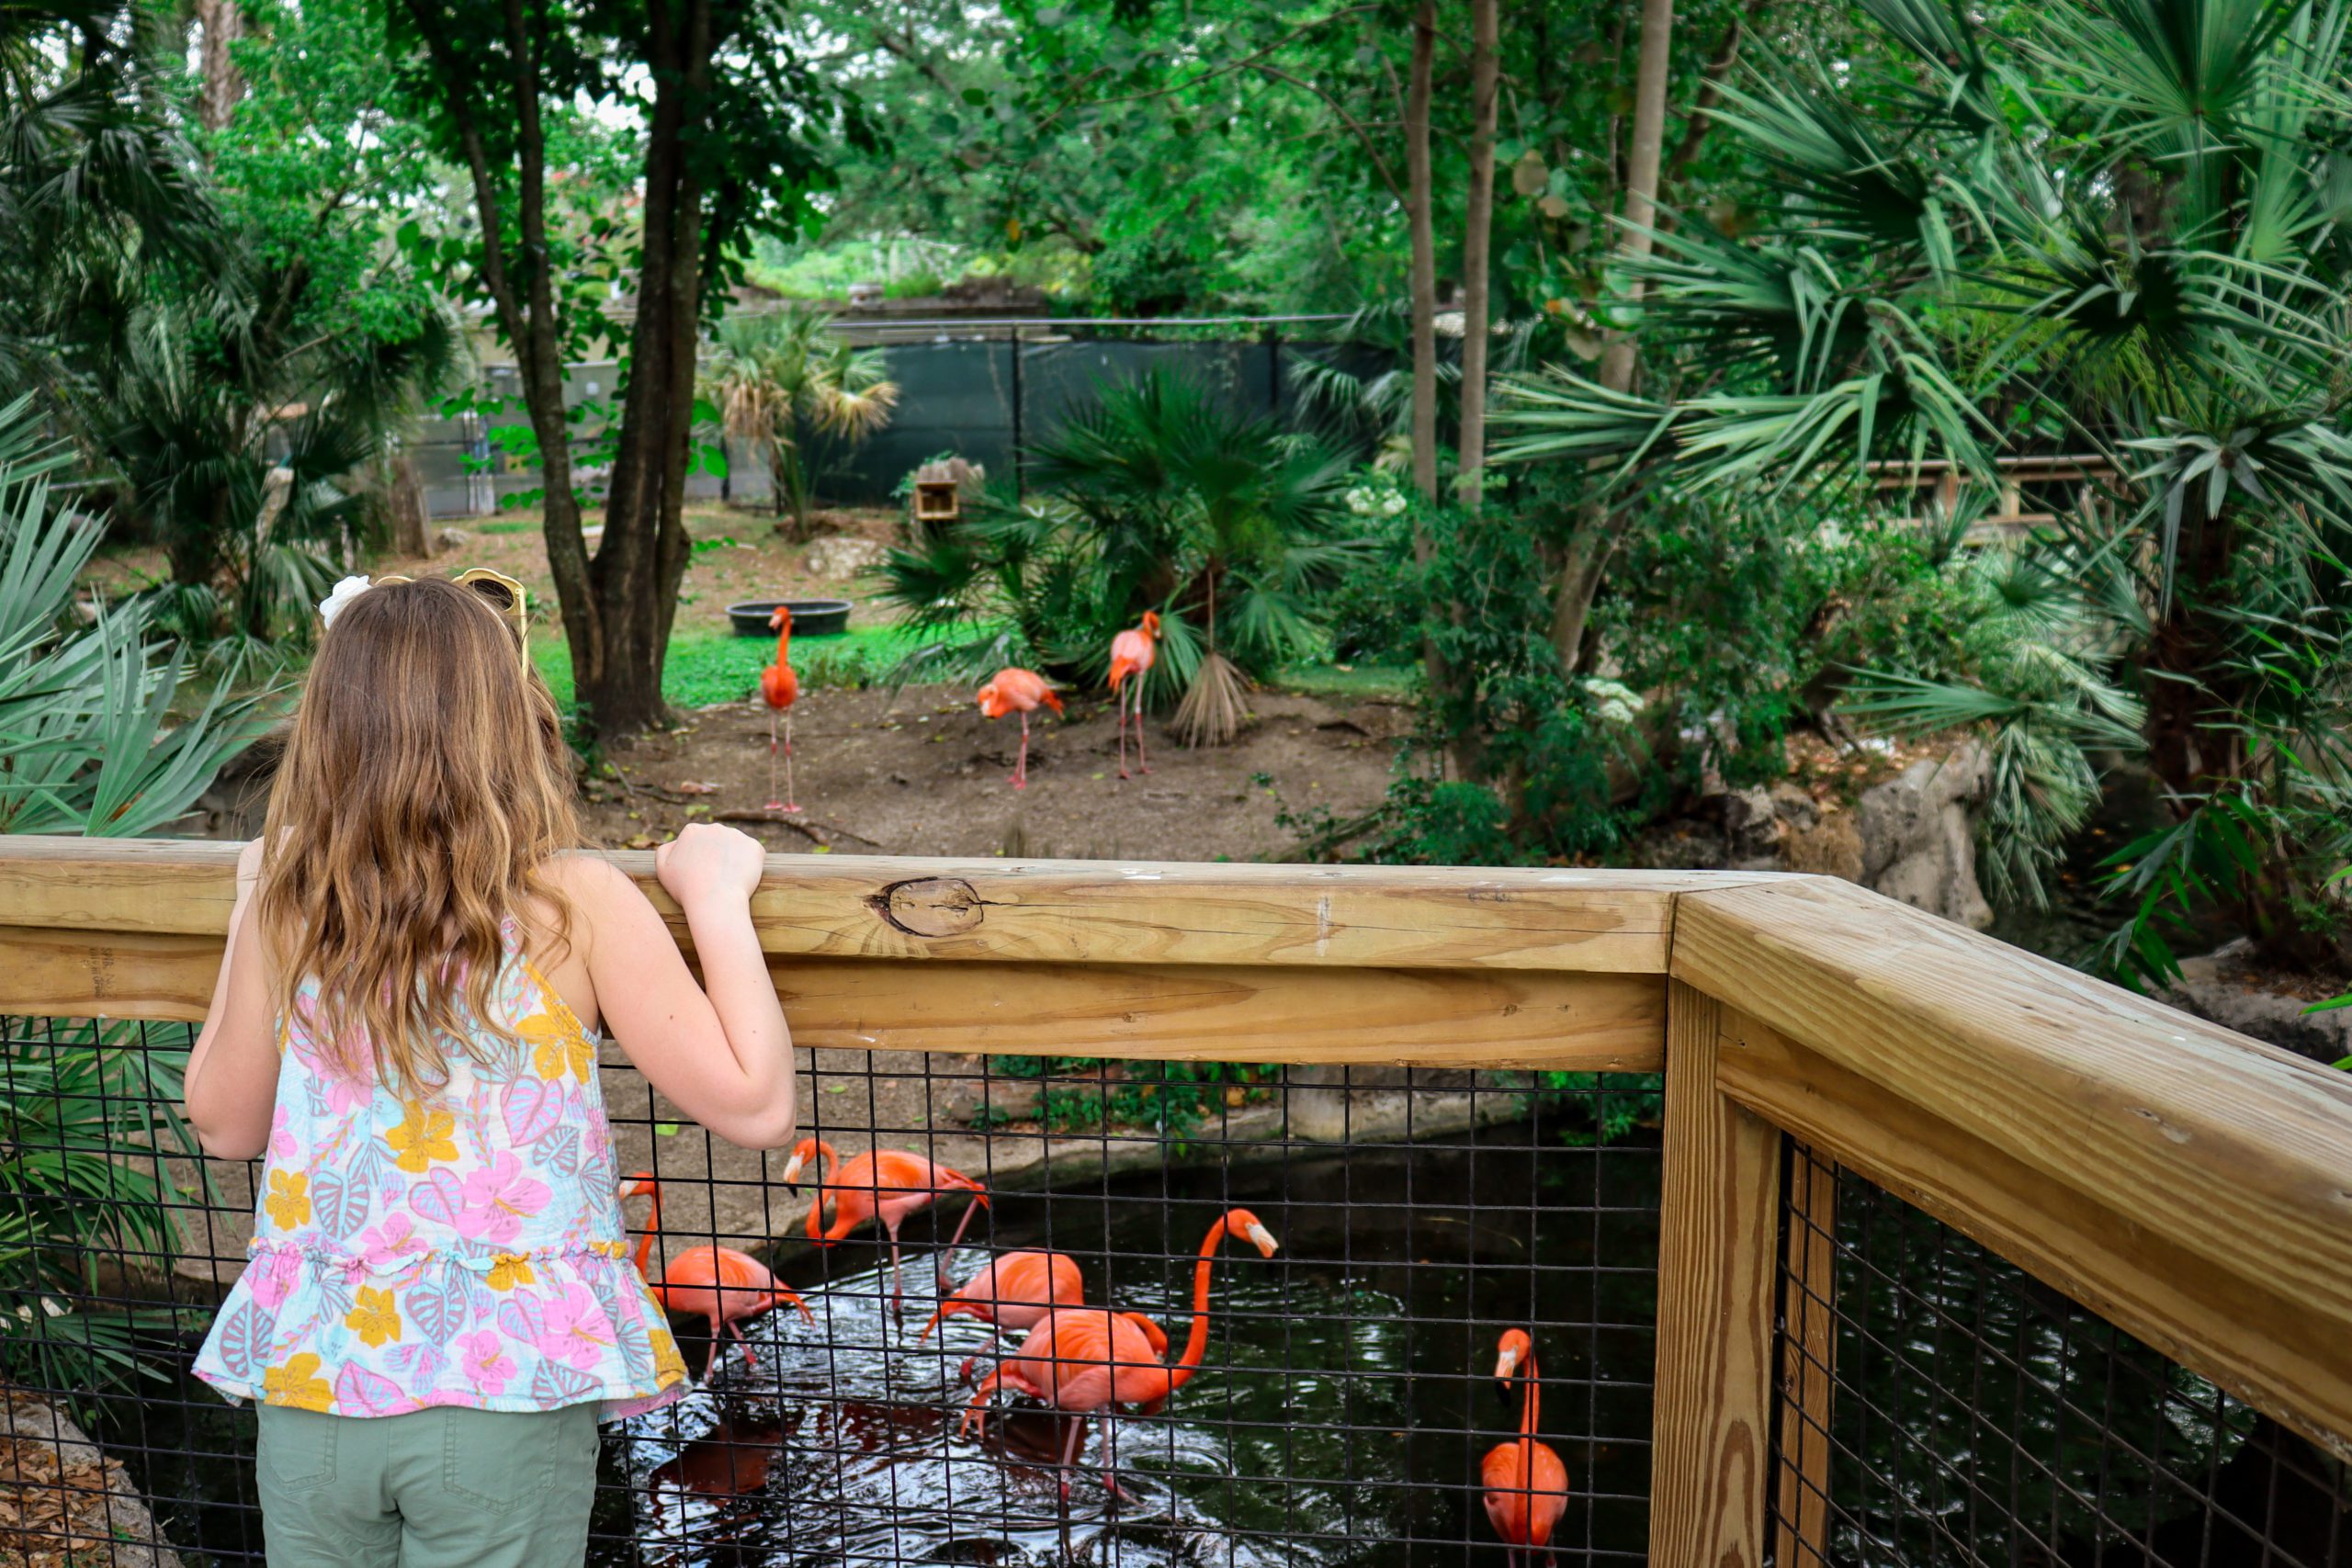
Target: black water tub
x=811, y=618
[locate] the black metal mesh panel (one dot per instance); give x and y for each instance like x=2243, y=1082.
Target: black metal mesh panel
x=1344, y=1396
x=1940, y=1406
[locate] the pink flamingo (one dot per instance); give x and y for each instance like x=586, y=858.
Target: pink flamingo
x=1527, y=1486
x=1092, y=1359
x=1013, y=1290
x=780, y=688
x=885, y=1184
x=1134, y=653
x=1013, y=689
x=715, y=1282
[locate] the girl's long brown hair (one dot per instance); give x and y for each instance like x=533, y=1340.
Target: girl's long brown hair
x=423, y=790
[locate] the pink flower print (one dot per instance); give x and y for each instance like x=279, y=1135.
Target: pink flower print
x=382, y=1248
x=574, y=1330
x=273, y=1274
x=281, y=1139
x=498, y=1196
x=487, y=1366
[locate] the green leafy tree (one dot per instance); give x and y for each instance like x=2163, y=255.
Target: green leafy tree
x=721, y=112
x=2111, y=226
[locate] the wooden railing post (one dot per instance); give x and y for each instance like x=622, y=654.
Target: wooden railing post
x=1711, y=1461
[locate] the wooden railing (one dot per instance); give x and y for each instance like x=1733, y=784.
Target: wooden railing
x=2189, y=1185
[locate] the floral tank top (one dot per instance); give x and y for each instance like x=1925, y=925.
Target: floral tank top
x=460, y=1246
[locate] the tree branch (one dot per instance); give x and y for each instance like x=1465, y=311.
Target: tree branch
x=1371, y=148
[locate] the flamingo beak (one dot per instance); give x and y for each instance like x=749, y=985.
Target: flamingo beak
x=1506, y=1364
x=792, y=1169
x=1264, y=1238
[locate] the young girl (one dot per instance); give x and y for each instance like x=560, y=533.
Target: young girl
x=437, y=1307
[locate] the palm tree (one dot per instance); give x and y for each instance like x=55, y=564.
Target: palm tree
x=1162, y=495
x=2114, y=227
x=781, y=381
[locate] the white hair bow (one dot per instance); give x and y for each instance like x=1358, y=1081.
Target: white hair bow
x=350, y=588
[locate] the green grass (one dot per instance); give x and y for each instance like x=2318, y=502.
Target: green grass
x=1358, y=681
x=709, y=666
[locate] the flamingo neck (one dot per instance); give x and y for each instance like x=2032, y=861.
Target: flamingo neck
x=784, y=646
x=652, y=1227
x=1196, y=1342
x=1534, y=1401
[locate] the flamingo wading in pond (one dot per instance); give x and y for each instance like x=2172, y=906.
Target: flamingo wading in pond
x=1081, y=1360
x=1015, y=690
x=1527, y=1486
x=715, y=1282
x=1133, y=653
x=1013, y=1290
x=886, y=1184
x=780, y=688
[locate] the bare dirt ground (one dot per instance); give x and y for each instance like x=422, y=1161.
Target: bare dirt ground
x=921, y=773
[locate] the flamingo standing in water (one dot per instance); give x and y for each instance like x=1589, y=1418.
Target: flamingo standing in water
x=715, y=1282
x=1015, y=690
x=1527, y=1486
x=780, y=688
x=1013, y=1290
x=1092, y=1359
x=1133, y=653
x=886, y=1184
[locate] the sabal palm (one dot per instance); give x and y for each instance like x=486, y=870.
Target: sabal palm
x=2117, y=229
x=1160, y=495
x=778, y=380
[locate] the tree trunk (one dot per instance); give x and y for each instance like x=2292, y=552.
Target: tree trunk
x=224, y=85
x=1484, y=45
x=1420, y=223
x=1633, y=240
x=404, y=506
x=1588, y=555
x=642, y=561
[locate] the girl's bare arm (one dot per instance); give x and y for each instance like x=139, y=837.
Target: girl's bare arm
x=720, y=1051
x=230, y=1086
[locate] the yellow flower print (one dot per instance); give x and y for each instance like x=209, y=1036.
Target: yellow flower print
x=423, y=1136
x=557, y=1047
x=289, y=1200
x=298, y=1384
x=510, y=1270
x=376, y=1317
x=668, y=1365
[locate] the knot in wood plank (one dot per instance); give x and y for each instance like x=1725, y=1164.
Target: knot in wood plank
x=931, y=905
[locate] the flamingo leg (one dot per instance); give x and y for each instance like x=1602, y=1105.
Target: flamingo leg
x=1070, y=1456
x=1143, y=763
x=1121, y=697
x=790, y=804
x=1111, y=1459
x=1020, y=768
x=711, y=1361
x=748, y=1364
x=897, y=1281
x=773, y=804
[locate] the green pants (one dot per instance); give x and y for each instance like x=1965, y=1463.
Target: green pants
x=442, y=1488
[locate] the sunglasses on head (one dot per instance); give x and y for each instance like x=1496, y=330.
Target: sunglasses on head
x=500, y=593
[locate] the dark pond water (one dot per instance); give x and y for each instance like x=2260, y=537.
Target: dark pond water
x=1345, y=1400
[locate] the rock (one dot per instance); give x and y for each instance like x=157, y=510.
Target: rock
x=840, y=556
x=63, y=1487
x=1918, y=840
x=1680, y=846
x=449, y=538
x=1374, y=1105
x=2222, y=988
x=1751, y=824
x=958, y=1100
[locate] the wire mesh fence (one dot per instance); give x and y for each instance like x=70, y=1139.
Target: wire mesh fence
x=1341, y=1394
x=1939, y=1407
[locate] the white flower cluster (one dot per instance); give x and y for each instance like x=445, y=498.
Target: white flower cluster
x=1619, y=701
x=1375, y=500
x=331, y=606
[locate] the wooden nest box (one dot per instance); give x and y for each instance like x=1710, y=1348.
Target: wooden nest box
x=939, y=491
